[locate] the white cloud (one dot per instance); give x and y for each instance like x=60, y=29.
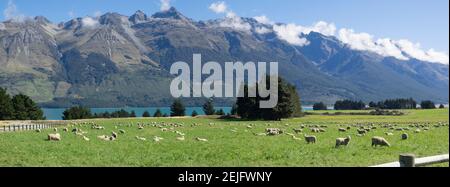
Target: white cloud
x=218, y=7
x=165, y=5
x=11, y=12
x=263, y=19
x=393, y=48
x=236, y=23
x=365, y=42
x=262, y=30
x=328, y=29
x=89, y=22
x=414, y=50
x=291, y=34
x=231, y=20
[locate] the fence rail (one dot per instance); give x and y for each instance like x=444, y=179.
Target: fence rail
x=27, y=127
x=409, y=160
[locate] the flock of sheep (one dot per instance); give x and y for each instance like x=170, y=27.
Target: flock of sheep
x=361, y=130
x=76, y=130
x=357, y=129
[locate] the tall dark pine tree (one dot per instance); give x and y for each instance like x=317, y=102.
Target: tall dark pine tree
x=6, y=106
x=146, y=114
x=208, y=108
x=177, y=108
x=26, y=109
x=158, y=113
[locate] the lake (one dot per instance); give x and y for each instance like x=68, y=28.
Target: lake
x=57, y=113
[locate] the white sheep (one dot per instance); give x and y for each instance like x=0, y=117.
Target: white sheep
x=157, y=139
x=181, y=138
x=389, y=134
x=54, y=137
x=201, y=139
x=342, y=141
x=380, y=141
x=310, y=139
x=86, y=138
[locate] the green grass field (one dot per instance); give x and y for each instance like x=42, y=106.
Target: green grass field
x=230, y=143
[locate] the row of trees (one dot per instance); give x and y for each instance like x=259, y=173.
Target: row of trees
x=349, y=105
x=386, y=104
x=18, y=107
x=79, y=112
x=394, y=104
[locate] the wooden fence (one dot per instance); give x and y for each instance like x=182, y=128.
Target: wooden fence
x=409, y=160
x=27, y=127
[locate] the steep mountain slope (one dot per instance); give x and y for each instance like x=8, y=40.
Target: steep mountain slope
x=116, y=60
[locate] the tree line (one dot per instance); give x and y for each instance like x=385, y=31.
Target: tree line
x=18, y=107
x=401, y=103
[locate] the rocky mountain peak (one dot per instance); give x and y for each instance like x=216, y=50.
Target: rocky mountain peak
x=138, y=17
x=172, y=13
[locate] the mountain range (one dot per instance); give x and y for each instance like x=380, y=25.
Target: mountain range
x=115, y=60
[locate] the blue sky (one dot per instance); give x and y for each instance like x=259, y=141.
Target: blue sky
x=423, y=21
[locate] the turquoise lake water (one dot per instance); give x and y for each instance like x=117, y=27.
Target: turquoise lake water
x=57, y=113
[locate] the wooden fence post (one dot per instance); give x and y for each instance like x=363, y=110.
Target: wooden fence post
x=407, y=160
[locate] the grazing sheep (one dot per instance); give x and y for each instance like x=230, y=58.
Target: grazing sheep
x=54, y=137
x=361, y=131
x=295, y=138
x=113, y=134
x=298, y=130
x=342, y=130
x=380, y=141
x=201, y=139
x=404, y=136
x=121, y=131
x=348, y=128
x=179, y=133
x=75, y=130
x=55, y=129
x=389, y=134
x=141, y=138
x=342, y=141
x=65, y=129
x=315, y=130
x=181, y=138
x=273, y=131
x=322, y=130
x=360, y=135
x=38, y=130
x=85, y=138
x=417, y=131
x=157, y=139
x=106, y=138
x=310, y=139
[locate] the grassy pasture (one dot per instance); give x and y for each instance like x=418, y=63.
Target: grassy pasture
x=230, y=143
